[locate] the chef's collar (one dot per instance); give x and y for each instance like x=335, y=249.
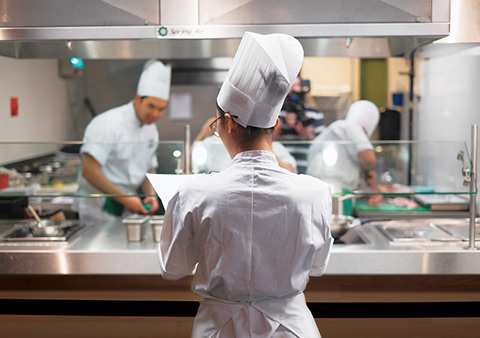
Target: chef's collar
x=133, y=116
x=255, y=156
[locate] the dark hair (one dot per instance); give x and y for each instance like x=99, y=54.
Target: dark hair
x=247, y=136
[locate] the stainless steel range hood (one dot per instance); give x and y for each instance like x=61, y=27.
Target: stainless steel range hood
x=190, y=29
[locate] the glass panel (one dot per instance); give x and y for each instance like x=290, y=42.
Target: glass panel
x=402, y=167
x=431, y=173
x=45, y=169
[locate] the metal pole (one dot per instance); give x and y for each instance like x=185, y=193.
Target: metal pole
x=188, y=152
x=473, y=187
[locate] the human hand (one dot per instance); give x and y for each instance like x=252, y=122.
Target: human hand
x=133, y=205
x=205, y=131
x=152, y=200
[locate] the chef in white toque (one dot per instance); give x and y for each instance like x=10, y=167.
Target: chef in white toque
x=253, y=233
x=120, y=147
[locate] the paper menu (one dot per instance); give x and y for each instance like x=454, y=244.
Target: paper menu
x=166, y=185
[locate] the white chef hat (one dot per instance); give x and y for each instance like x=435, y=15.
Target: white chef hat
x=261, y=75
x=365, y=113
x=155, y=80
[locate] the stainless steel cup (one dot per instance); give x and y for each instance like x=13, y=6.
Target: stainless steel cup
x=135, y=225
x=157, y=224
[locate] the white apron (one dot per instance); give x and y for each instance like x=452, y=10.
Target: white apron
x=283, y=317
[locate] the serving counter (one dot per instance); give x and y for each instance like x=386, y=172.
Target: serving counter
x=103, y=249
x=99, y=278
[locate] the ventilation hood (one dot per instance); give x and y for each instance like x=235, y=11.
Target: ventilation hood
x=191, y=29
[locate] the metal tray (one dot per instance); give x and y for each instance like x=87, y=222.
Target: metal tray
x=416, y=233
x=444, y=202
x=461, y=231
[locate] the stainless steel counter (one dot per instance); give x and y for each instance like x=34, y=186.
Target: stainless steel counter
x=103, y=249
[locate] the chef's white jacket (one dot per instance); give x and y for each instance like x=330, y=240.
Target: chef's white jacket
x=337, y=162
x=125, y=150
x=256, y=231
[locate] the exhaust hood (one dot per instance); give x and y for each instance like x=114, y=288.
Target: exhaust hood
x=190, y=29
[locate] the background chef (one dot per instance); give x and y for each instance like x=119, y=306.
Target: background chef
x=120, y=147
x=339, y=162
x=255, y=229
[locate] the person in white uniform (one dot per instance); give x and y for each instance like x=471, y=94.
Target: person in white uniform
x=343, y=149
x=209, y=153
x=252, y=233
x=120, y=147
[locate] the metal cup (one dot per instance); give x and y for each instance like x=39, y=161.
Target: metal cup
x=157, y=224
x=135, y=225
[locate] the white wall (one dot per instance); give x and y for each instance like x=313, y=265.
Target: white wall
x=42, y=100
x=447, y=104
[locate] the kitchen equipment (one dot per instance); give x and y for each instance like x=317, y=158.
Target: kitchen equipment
x=157, y=225
x=135, y=226
x=53, y=231
x=415, y=232
x=460, y=231
x=49, y=228
x=35, y=215
x=13, y=207
x=341, y=224
x=444, y=202
x=363, y=209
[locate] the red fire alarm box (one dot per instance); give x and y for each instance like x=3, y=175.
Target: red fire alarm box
x=14, y=106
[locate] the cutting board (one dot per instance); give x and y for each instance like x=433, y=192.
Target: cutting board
x=362, y=206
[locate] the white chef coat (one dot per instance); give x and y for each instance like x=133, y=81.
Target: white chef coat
x=348, y=140
x=256, y=231
x=125, y=150
x=210, y=155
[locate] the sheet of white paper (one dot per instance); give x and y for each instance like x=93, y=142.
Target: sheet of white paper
x=180, y=106
x=166, y=185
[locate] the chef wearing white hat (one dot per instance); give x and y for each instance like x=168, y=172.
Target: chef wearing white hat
x=254, y=231
x=120, y=147
x=344, y=147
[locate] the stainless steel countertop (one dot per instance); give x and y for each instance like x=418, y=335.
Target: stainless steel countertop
x=103, y=249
